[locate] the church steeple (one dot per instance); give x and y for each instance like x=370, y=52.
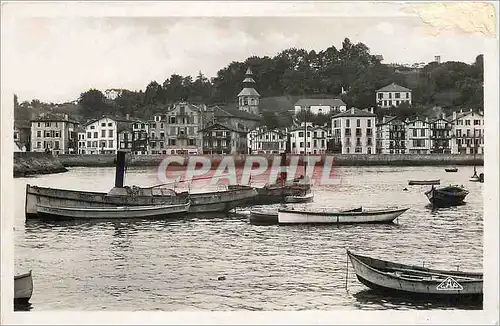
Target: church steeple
x=248, y=98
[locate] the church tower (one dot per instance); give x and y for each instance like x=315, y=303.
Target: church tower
x=248, y=98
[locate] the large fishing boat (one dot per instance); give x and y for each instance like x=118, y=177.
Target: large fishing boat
x=120, y=195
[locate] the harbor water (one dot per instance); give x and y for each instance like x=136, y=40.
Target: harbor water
x=178, y=264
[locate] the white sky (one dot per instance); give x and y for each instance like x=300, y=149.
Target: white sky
x=54, y=59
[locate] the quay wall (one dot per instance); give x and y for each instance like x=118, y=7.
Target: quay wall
x=32, y=163
x=107, y=160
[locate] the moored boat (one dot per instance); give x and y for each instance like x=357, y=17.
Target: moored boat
x=446, y=196
x=424, y=182
x=385, y=276
x=23, y=288
x=270, y=216
x=451, y=169
x=304, y=198
x=119, y=212
x=298, y=216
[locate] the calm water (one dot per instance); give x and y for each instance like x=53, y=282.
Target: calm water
x=175, y=264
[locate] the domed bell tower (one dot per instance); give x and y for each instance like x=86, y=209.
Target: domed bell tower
x=248, y=98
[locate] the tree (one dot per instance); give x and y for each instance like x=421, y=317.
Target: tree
x=93, y=103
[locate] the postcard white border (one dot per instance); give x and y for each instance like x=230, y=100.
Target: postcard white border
x=489, y=315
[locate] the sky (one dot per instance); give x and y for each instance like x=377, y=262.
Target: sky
x=54, y=57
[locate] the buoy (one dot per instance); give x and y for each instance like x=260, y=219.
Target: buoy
x=221, y=278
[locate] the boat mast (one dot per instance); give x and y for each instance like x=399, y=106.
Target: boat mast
x=305, y=144
x=475, y=150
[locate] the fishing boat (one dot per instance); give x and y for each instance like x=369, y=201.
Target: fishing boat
x=451, y=169
x=385, y=276
x=120, y=195
x=270, y=216
x=305, y=198
x=424, y=182
x=119, y=212
x=23, y=288
x=299, y=216
x=447, y=196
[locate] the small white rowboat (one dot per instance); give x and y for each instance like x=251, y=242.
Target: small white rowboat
x=23, y=287
x=296, y=216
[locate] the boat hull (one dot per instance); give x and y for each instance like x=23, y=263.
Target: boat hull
x=379, y=280
x=352, y=217
x=274, y=194
x=423, y=182
x=444, y=199
x=112, y=212
x=451, y=170
x=23, y=288
x=212, y=202
x=299, y=199
x=263, y=217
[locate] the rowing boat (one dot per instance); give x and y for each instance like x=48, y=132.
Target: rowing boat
x=300, y=216
x=23, y=288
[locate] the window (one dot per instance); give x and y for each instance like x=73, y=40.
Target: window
x=315, y=134
x=136, y=125
x=369, y=131
x=143, y=126
x=369, y=123
x=467, y=122
x=308, y=134
x=347, y=150
x=172, y=142
x=103, y=124
x=89, y=134
x=358, y=131
x=414, y=132
x=92, y=127
x=161, y=144
x=322, y=143
x=397, y=95
x=301, y=134
x=347, y=123
x=323, y=134
x=94, y=143
x=39, y=133
x=335, y=124
x=315, y=143
x=380, y=95
x=95, y=134
x=39, y=144
x=103, y=144
x=385, y=102
x=110, y=133
x=47, y=124
x=397, y=102
x=301, y=144
x=172, y=120
x=477, y=122
x=347, y=131
x=110, y=143
x=407, y=95
x=390, y=102
x=422, y=132
x=103, y=133
x=38, y=124
x=369, y=142
x=110, y=124
x=390, y=95
x=89, y=144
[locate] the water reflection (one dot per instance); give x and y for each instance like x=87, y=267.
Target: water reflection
x=370, y=299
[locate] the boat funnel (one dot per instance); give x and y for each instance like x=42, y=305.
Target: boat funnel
x=120, y=168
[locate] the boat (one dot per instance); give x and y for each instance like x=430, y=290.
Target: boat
x=298, y=216
x=389, y=277
x=23, y=288
x=118, y=212
x=424, y=182
x=447, y=196
x=270, y=216
x=451, y=169
x=305, y=198
x=481, y=177
x=221, y=201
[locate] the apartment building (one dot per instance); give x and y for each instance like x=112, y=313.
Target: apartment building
x=418, y=136
x=223, y=139
x=467, y=132
x=265, y=141
x=309, y=140
x=133, y=136
x=391, y=136
x=354, y=132
x=393, y=95
x=440, y=135
x=320, y=105
x=53, y=133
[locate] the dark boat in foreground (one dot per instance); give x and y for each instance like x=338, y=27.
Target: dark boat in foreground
x=451, y=170
x=424, y=182
x=447, y=196
x=389, y=277
x=23, y=288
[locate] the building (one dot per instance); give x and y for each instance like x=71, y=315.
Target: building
x=133, y=136
x=467, y=132
x=391, y=136
x=101, y=136
x=354, y=132
x=112, y=93
x=393, y=95
x=320, y=105
x=177, y=130
x=223, y=139
x=248, y=98
x=440, y=134
x=264, y=141
x=81, y=143
x=437, y=59
x=53, y=133
x=418, y=136
x=22, y=134
x=232, y=116
x=316, y=139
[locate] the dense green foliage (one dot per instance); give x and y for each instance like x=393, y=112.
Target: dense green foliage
x=296, y=73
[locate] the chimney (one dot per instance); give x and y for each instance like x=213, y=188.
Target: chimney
x=66, y=117
x=371, y=110
x=127, y=117
x=444, y=116
x=426, y=119
x=352, y=110
x=454, y=115
x=383, y=119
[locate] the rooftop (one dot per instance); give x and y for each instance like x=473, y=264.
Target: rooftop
x=355, y=112
x=307, y=102
x=393, y=88
x=248, y=92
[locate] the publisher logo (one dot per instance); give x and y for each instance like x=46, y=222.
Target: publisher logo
x=449, y=284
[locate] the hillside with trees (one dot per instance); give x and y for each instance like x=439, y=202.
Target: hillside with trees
x=293, y=74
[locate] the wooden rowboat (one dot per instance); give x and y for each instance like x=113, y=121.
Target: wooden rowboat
x=424, y=182
x=386, y=276
x=270, y=216
x=298, y=216
x=306, y=198
x=23, y=288
x=451, y=170
x=446, y=196
x=120, y=212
